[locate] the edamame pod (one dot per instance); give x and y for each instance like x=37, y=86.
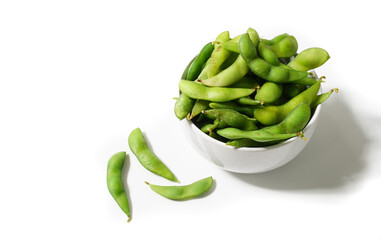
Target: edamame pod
x=246, y=82
x=319, y=99
x=219, y=54
x=233, y=118
x=214, y=94
x=115, y=182
x=249, y=101
x=257, y=135
x=248, y=111
x=197, y=108
x=202, y=57
x=264, y=69
x=146, y=157
x=183, y=192
x=269, y=92
x=308, y=59
x=291, y=90
x=271, y=115
x=228, y=76
x=247, y=142
x=295, y=121
x=183, y=106
x=232, y=45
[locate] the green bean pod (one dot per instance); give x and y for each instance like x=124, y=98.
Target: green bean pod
x=275, y=40
x=256, y=135
x=271, y=115
x=115, y=182
x=198, y=63
x=214, y=94
x=264, y=69
x=233, y=118
x=287, y=47
x=183, y=192
x=146, y=157
x=308, y=59
x=319, y=99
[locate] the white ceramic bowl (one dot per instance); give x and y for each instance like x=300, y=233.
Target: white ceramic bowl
x=249, y=160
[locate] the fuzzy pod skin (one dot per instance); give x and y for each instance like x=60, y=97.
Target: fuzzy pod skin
x=196, y=67
x=186, y=192
x=214, y=94
x=271, y=115
x=146, y=157
x=233, y=118
x=256, y=135
x=115, y=182
x=295, y=121
x=308, y=59
x=264, y=69
x=269, y=92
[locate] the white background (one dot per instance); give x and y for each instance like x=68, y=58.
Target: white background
x=77, y=76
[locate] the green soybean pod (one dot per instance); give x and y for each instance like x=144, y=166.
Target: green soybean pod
x=214, y=94
x=184, y=192
x=287, y=47
x=247, y=142
x=248, y=111
x=183, y=106
x=267, y=54
x=271, y=115
x=264, y=69
x=228, y=76
x=233, y=118
x=291, y=90
x=269, y=92
x=275, y=40
x=115, y=182
x=146, y=157
x=256, y=135
x=198, y=63
x=249, y=101
x=308, y=59
x=295, y=121
x=232, y=45
x=246, y=82
x=219, y=54
x=319, y=99
x=197, y=108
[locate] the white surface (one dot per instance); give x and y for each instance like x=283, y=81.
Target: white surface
x=77, y=76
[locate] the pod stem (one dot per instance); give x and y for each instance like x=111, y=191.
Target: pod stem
x=301, y=135
x=129, y=218
x=146, y=182
x=335, y=90
x=321, y=78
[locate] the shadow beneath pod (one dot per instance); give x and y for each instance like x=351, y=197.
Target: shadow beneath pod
x=333, y=158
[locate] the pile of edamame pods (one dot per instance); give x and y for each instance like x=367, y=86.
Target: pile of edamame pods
x=151, y=162
x=251, y=92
